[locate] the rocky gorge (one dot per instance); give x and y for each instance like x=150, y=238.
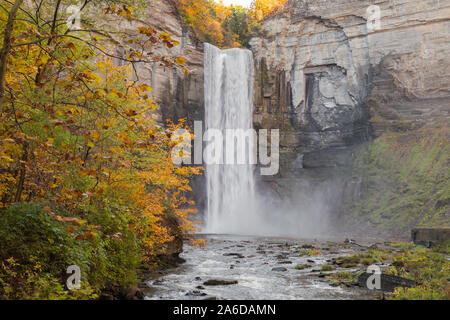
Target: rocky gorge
x=202, y=150
x=346, y=99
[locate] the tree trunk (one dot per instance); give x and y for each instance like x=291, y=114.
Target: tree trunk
x=7, y=47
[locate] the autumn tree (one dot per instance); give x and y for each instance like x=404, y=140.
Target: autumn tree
x=237, y=26
x=206, y=18
x=225, y=26
x=77, y=132
x=259, y=9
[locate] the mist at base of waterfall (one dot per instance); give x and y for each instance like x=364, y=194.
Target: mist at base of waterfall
x=269, y=216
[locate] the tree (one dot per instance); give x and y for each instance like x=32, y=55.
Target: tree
x=77, y=132
x=262, y=8
x=206, y=18
x=4, y=52
x=237, y=26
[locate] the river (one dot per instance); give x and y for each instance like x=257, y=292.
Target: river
x=251, y=261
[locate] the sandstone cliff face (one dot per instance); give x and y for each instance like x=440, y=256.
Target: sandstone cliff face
x=329, y=83
x=179, y=96
x=321, y=70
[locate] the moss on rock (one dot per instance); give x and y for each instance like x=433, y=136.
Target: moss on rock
x=402, y=182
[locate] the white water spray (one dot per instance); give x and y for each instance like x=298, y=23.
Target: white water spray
x=229, y=105
x=234, y=205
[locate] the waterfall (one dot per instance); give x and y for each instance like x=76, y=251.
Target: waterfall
x=230, y=188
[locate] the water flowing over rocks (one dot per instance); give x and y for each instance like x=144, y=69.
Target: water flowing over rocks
x=207, y=272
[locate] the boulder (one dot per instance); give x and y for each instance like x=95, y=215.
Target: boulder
x=279, y=269
x=388, y=282
x=430, y=236
x=217, y=282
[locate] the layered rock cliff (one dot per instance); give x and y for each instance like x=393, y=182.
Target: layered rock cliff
x=322, y=70
x=331, y=83
x=178, y=95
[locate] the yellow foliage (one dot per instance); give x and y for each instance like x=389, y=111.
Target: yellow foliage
x=206, y=17
x=259, y=9
x=77, y=132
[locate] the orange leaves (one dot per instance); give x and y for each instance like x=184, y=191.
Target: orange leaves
x=210, y=19
x=131, y=112
x=95, y=135
x=88, y=173
x=144, y=87
x=123, y=11
x=262, y=8
x=147, y=31
x=87, y=235
x=70, y=46
x=88, y=232
x=75, y=221
x=206, y=17
x=152, y=191
x=164, y=36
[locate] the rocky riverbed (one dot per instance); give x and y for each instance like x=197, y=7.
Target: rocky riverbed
x=238, y=267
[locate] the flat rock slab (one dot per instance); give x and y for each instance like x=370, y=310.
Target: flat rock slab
x=216, y=282
x=233, y=254
x=388, y=282
x=279, y=269
x=284, y=262
x=430, y=236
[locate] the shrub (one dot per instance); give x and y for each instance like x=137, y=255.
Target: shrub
x=37, y=250
x=35, y=253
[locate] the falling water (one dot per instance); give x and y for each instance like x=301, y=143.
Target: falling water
x=234, y=205
x=229, y=105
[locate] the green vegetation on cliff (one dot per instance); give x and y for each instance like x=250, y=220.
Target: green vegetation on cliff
x=403, y=181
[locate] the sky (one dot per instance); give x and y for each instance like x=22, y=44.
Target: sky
x=244, y=3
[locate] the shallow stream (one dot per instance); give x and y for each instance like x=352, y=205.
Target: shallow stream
x=264, y=268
